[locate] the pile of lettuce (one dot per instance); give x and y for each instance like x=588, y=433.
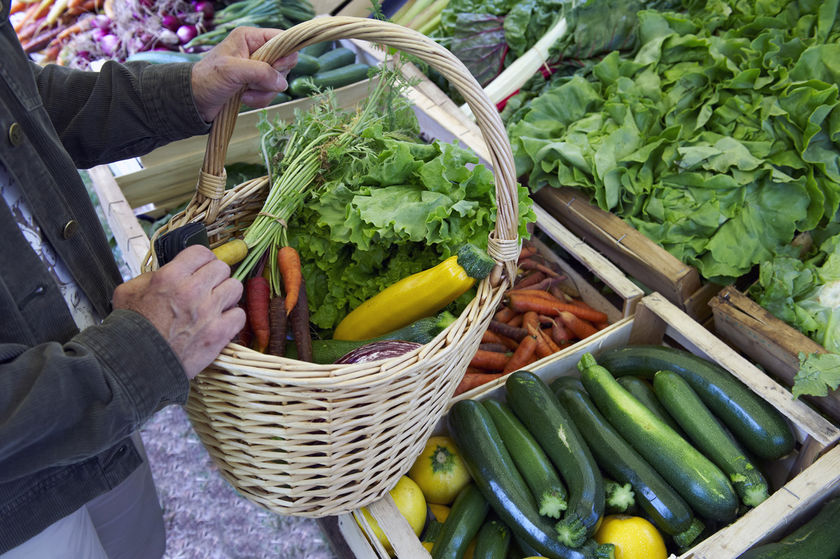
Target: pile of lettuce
x=718, y=138
x=804, y=291
x=403, y=207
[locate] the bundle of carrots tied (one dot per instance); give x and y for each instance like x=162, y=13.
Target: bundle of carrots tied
x=541, y=314
x=273, y=312
x=44, y=25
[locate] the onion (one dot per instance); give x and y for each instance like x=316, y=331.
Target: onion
x=98, y=33
x=101, y=21
x=109, y=44
x=168, y=37
x=205, y=7
x=170, y=22
x=186, y=33
x=374, y=351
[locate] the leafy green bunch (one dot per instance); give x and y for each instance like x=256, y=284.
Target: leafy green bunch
x=718, y=138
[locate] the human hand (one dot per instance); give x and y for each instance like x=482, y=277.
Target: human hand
x=228, y=67
x=192, y=301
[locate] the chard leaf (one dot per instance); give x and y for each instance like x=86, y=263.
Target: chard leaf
x=818, y=373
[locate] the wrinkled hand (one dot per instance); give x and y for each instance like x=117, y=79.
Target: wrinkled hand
x=227, y=68
x=192, y=301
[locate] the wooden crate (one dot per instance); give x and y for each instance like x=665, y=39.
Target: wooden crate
x=633, y=252
x=798, y=480
x=767, y=340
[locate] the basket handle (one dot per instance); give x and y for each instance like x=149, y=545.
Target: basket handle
x=503, y=244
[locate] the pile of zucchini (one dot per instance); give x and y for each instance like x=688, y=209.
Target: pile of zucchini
x=683, y=433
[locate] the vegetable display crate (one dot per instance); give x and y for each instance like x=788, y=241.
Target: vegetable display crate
x=797, y=481
x=633, y=252
x=767, y=340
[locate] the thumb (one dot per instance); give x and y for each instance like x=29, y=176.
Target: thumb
x=259, y=76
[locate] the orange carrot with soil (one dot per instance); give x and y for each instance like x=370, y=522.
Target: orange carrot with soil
x=256, y=300
x=530, y=279
x=277, y=322
x=578, y=326
x=542, y=349
x=473, y=380
x=288, y=263
x=515, y=321
x=546, y=332
x=504, y=314
x=531, y=264
x=523, y=355
x=489, y=360
x=493, y=337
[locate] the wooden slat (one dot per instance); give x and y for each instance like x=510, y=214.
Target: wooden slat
x=769, y=341
x=130, y=237
x=633, y=252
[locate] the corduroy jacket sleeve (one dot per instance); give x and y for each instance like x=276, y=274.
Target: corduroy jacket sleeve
x=122, y=111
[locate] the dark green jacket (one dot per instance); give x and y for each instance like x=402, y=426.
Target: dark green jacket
x=69, y=400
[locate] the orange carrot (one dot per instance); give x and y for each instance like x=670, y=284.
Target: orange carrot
x=523, y=303
x=277, y=322
x=489, y=360
x=523, y=354
x=473, y=380
x=601, y=325
x=257, y=299
x=288, y=261
x=579, y=327
x=527, y=252
x=546, y=332
x=475, y=371
x=542, y=349
x=530, y=279
x=536, y=293
x=516, y=321
x=494, y=337
x=530, y=320
x=78, y=27
x=531, y=264
x=504, y=314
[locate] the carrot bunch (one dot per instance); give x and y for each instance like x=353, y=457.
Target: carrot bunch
x=541, y=315
x=272, y=314
x=45, y=25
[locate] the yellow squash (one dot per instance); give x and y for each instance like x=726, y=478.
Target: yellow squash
x=416, y=296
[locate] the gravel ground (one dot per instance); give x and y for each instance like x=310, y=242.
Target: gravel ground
x=205, y=517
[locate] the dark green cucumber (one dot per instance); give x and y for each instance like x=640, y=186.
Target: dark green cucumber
x=539, y=410
x=700, y=482
x=330, y=79
x=494, y=473
x=492, y=541
x=816, y=539
x=464, y=521
x=317, y=49
x=643, y=391
x=306, y=66
x=708, y=435
x=536, y=468
x=753, y=421
x=666, y=509
x=336, y=58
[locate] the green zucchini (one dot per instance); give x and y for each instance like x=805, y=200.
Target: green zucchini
x=494, y=473
x=421, y=331
x=643, y=391
x=317, y=49
x=492, y=541
x=330, y=79
x=306, y=66
x=280, y=98
x=464, y=521
x=541, y=413
x=618, y=498
x=816, y=539
x=336, y=58
x=666, y=509
x=539, y=473
x=163, y=57
x=701, y=483
x=708, y=435
x=753, y=421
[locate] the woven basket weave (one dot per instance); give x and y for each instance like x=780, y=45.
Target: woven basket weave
x=312, y=440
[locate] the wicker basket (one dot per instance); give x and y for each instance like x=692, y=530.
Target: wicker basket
x=314, y=440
